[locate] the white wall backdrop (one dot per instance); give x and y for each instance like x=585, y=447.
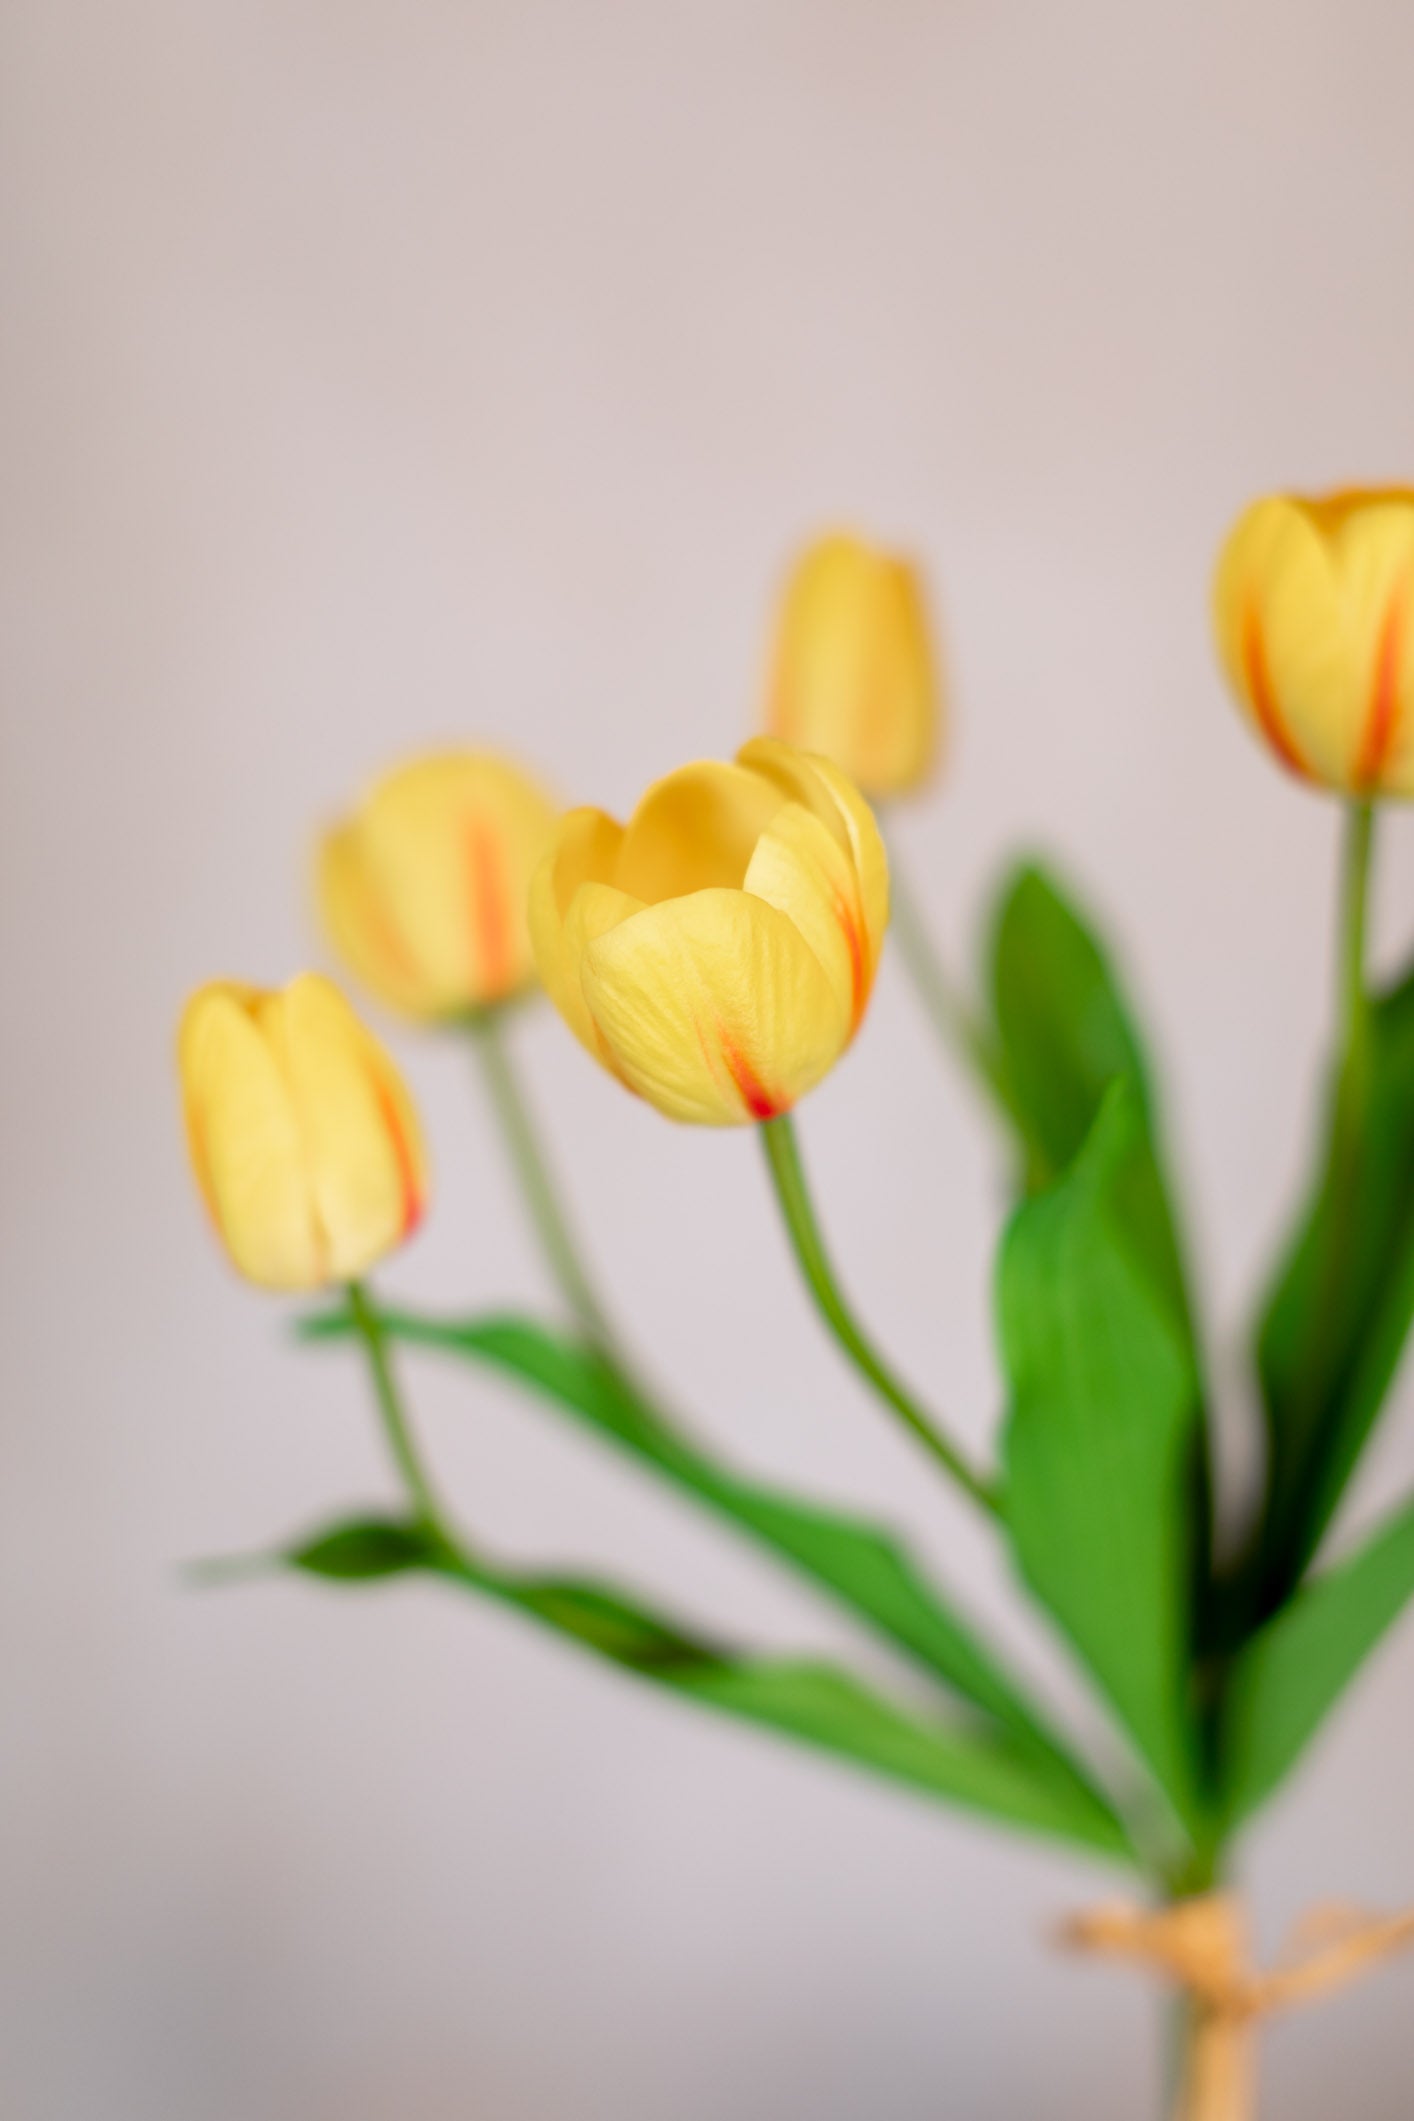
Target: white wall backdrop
x=380, y=373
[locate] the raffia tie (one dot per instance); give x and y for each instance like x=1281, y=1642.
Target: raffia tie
x=1204, y=1948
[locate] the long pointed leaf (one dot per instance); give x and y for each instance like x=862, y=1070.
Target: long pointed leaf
x=1334, y=1326
x=860, y=1565
x=810, y=1700
x=1066, y=1032
x=1291, y=1674
x=1098, y=1443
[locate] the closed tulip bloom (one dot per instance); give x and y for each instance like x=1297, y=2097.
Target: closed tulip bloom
x=1314, y=607
x=853, y=671
x=717, y=953
x=302, y=1135
x=422, y=890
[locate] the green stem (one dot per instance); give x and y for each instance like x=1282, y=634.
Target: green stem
x=395, y=1425
x=533, y=1172
x=1283, y=1549
x=1348, y=1117
x=1347, y=1122
x=1355, y=907
x=957, y=1024
x=793, y=1193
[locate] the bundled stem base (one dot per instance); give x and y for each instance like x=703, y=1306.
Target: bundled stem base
x=1203, y=1947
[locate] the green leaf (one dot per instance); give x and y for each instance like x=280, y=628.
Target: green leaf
x=1099, y=1440
x=363, y=1548
x=859, y=1565
x=1291, y=1674
x=1066, y=1033
x=810, y=1700
x=1334, y=1326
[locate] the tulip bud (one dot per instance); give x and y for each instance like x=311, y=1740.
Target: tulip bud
x=302, y=1135
x=1314, y=608
x=422, y=890
x=717, y=954
x=853, y=673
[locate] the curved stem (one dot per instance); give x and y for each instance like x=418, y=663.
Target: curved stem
x=395, y=1425
x=802, y=1225
x=533, y=1172
x=955, y=1021
x=1348, y=1116
x=1282, y=1548
x=1354, y=999
x=1347, y=1120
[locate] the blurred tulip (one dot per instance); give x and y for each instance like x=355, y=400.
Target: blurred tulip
x=717, y=954
x=1314, y=608
x=853, y=673
x=302, y=1135
x=422, y=890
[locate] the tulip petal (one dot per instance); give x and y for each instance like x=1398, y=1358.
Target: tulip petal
x=800, y=868
x=854, y=674
x=362, y=1141
x=424, y=889
x=360, y=923
x=246, y=1145
x=596, y=909
x=694, y=831
x=1282, y=637
x=1373, y=557
x=830, y=795
x=1314, y=604
x=714, y=1007
x=585, y=850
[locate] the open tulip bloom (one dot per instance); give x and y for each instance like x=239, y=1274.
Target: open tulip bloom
x=716, y=956
x=718, y=953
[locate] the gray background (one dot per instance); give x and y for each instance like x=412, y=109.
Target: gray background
x=379, y=373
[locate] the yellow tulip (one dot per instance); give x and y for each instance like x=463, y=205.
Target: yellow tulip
x=422, y=890
x=303, y=1138
x=717, y=954
x=853, y=673
x=1314, y=608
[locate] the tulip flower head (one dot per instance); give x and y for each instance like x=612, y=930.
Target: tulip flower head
x=853, y=671
x=717, y=953
x=1314, y=609
x=303, y=1138
x=423, y=889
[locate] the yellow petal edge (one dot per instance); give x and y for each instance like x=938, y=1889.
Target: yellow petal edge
x=303, y=1139
x=717, y=954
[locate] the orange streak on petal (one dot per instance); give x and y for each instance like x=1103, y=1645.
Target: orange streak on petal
x=493, y=968
x=412, y=1203
x=760, y=1102
x=1264, y=700
x=1384, y=701
x=848, y=917
x=380, y=928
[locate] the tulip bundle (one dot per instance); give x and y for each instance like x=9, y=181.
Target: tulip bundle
x=716, y=955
